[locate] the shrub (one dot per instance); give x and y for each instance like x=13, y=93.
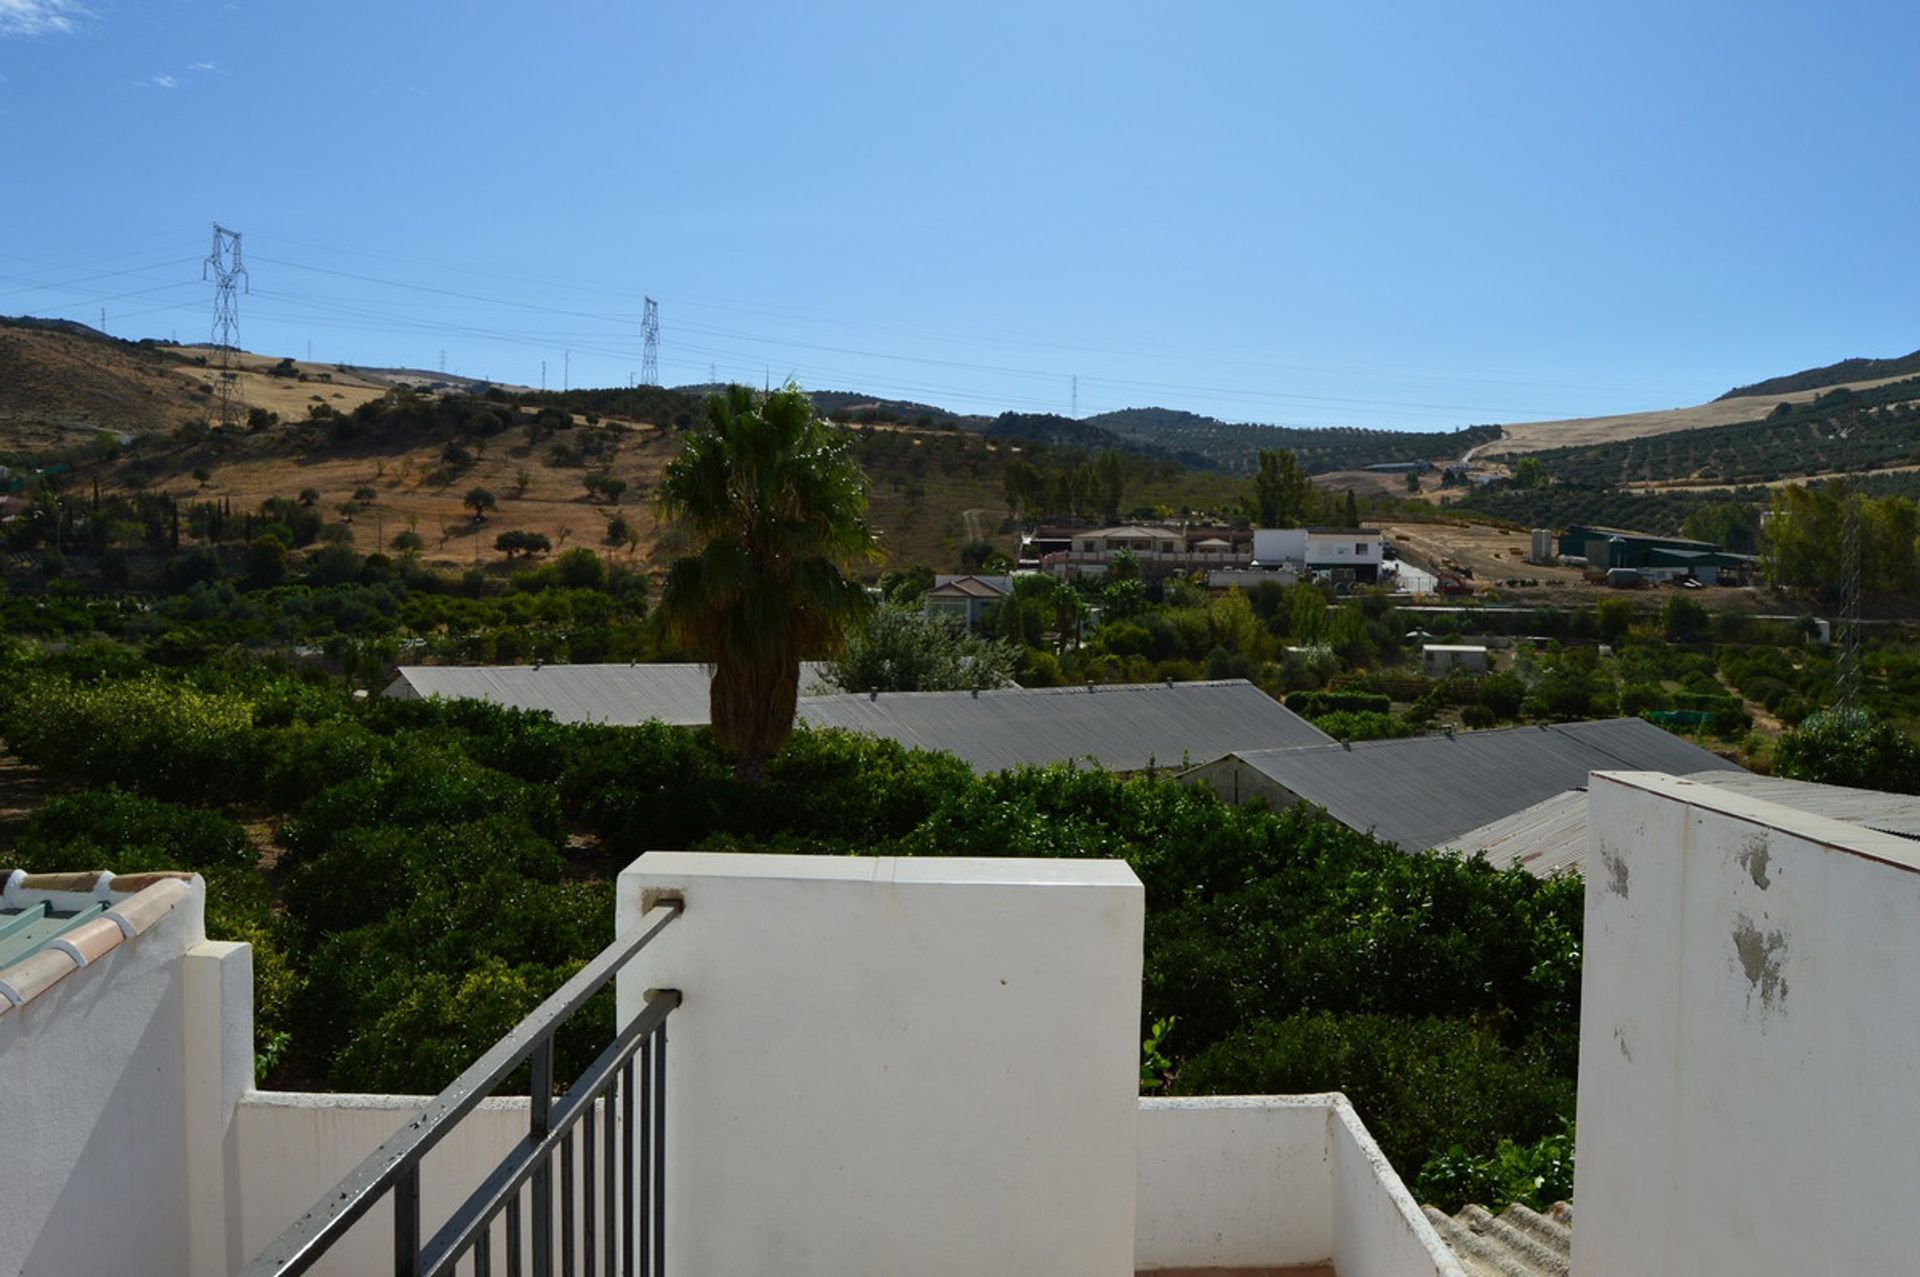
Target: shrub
x=166, y=741
x=1534, y=1175
x=1478, y=716
x=1850, y=747
x=1314, y=704
x=122, y=832
x=1422, y=1086
x=1365, y=725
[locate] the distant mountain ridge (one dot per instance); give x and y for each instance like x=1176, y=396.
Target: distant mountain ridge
x=1830, y=375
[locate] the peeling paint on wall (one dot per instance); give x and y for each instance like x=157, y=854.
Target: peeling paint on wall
x=1754, y=857
x=1762, y=957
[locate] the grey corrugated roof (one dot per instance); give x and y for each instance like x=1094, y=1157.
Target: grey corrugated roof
x=1124, y=727
x=622, y=695
x=1551, y=836
x=1518, y=1242
x=1429, y=790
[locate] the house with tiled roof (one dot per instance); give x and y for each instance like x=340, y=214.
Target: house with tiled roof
x=965, y=599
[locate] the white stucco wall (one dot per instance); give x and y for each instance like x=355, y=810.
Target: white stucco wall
x=897, y=1065
x=93, y=1114
x=1234, y=1181
x=294, y=1146
x=1749, y=1041
x=1259, y=1181
x=1378, y=1229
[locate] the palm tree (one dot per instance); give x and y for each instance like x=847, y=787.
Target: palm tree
x=776, y=508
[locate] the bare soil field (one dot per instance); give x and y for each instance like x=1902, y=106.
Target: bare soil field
x=553, y=501
x=1536, y=436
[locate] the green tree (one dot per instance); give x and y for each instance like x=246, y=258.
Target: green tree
x=266, y=562
x=1613, y=618
x=1683, y=619
x=1850, y=747
x=479, y=500
x=776, y=510
x=1351, y=511
x=1529, y=472
x=1110, y=483
x=1280, y=490
x=904, y=650
x=519, y=541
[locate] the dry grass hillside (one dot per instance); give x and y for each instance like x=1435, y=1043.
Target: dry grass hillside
x=1536, y=436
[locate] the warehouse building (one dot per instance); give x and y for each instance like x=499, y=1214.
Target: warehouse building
x=1426, y=791
x=617, y=695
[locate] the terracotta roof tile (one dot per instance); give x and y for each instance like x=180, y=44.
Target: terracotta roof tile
x=81, y=932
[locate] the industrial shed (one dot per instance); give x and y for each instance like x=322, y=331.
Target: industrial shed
x=1426, y=791
x=1550, y=837
x=620, y=695
x=1124, y=727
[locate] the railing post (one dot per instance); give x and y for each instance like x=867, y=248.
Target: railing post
x=406, y=1222
x=660, y=1150
x=539, y=1122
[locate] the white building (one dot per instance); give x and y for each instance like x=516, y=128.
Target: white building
x=930, y=1066
x=1440, y=659
x=1359, y=551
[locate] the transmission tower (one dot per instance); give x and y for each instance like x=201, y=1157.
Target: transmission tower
x=650, y=344
x=1074, y=412
x=228, y=272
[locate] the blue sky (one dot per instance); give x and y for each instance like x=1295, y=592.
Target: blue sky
x=1415, y=216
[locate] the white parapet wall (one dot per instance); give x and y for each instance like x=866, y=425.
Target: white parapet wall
x=1749, y=1039
x=117, y=1088
x=886, y=1065
x=1263, y=1181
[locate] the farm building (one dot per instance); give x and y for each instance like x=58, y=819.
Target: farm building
x=1439, y=659
x=1658, y=557
x=619, y=695
x=1124, y=727
x=1426, y=791
x=1550, y=837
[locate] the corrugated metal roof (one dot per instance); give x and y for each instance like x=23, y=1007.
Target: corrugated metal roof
x=1551, y=836
x=1518, y=1242
x=1429, y=790
x=1124, y=727
x=621, y=695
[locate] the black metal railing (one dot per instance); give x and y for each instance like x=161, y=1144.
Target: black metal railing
x=623, y=1165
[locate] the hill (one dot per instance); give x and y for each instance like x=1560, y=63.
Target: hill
x=1237, y=446
x=1840, y=374
x=62, y=384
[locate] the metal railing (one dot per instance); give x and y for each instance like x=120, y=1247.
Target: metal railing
x=624, y=1087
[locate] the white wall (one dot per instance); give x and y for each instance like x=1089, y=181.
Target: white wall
x=293, y=1147
x=1749, y=1038
x=1378, y=1229
x=93, y=1137
x=1279, y=545
x=1261, y=1181
x=897, y=1065
x=1234, y=1182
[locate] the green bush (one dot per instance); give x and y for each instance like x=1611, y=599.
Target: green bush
x=1422, y=1085
x=1534, y=1175
x=126, y=833
x=1345, y=725
x=1315, y=704
x=1478, y=716
x=1850, y=747
x=164, y=740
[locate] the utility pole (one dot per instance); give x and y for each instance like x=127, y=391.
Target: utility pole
x=443, y=361
x=543, y=374
x=650, y=343
x=566, y=370
x=103, y=321
x=1075, y=411
x=229, y=274
x=1846, y=668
